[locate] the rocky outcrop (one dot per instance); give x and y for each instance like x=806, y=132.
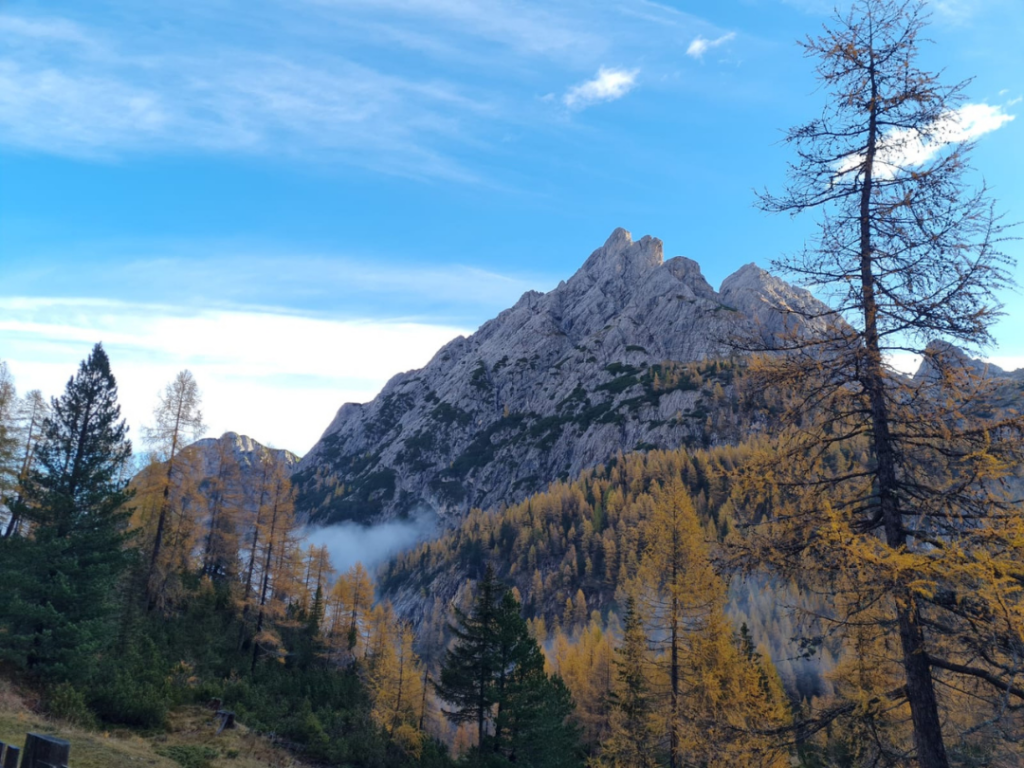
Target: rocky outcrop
x=246, y=452
x=231, y=464
x=943, y=355
x=632, y=352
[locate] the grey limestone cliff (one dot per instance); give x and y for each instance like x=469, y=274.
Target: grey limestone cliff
x=623, y=356
x=231, y=464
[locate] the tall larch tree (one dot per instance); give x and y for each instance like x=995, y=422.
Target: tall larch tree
x=351, y=601
x=396, y=686
x=678, y=591
x=33, y=413
x=269, y=602
x=178, y=420
x=908, y=254
x=8, y=437
x=715, y=702
x=224, y=496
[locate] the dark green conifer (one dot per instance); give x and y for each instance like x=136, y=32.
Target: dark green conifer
x=494, y=673
x=471, y=665
x=59, y=580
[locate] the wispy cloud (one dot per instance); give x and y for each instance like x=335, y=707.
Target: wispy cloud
x=97, y=98
x=276, y=376
x=908, y=147
x=414, y=88
x=45, y=28
x=608, y=85
x=351, y=543
x=956, y=11
x=232, y=274
x=525, y=27
x=702, y=45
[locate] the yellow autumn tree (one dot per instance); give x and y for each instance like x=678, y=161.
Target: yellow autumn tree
x=225, y=499
x=168, y=501
x=177, y=420
x=349, y=605
x=716, y=702
x=909, y=253
x=273, y=565
x=586, y=668
x=396, y=684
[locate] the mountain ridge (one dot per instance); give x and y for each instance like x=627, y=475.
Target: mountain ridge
x=558, y=382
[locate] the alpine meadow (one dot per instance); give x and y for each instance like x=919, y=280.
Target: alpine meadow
x=632, y=521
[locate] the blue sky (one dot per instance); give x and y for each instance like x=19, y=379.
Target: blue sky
x=297, y=198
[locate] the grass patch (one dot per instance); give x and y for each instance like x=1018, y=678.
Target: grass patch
x=191, y=735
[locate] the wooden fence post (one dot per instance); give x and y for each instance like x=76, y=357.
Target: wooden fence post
x=45, y=752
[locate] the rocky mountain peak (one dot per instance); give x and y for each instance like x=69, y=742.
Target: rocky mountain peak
x=941, y=354
x=244, y=449
x=607, y=361
x=622, y=259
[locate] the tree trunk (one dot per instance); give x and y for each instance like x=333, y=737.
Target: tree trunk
x=673, y=749
x=924, y=708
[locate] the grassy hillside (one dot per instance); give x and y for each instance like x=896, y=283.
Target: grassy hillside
x=189, y=741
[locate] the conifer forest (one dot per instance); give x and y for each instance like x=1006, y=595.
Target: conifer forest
x=827, y=571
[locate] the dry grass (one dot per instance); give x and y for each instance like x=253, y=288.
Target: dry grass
x=122, y=748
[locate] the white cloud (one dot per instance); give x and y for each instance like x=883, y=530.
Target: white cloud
x=44, y=28
x=277, y=377
x=528, y=28
x=907, y=362
x=956, y=11
x=907, y=147
x=229, y=274
x=351, y=543
x=100, y=99
x=702, y=45
x=1008, y=363
x=608, y=85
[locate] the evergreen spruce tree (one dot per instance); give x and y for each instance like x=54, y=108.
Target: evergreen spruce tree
x=494, y=674
x=535, y=712
x=471, y=664
x=59, y=580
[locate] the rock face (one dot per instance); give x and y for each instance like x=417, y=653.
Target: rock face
x=617, y=358
x=231, y=460
x=949, y=354
x=250, y=455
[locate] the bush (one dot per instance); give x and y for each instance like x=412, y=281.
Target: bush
x=127, y=700
x=134, y=690
x=65, y=702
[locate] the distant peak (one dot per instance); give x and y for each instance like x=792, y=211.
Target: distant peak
x=747, y=276
x=623, y=258
x=618, y=239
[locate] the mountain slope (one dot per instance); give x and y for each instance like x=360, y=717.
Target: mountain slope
x=606, y=362
x=230, y=466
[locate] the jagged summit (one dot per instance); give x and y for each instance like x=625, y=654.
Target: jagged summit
x=622, y=259
x=249, y=454
x=943, y=353
x=558, y=382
